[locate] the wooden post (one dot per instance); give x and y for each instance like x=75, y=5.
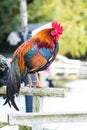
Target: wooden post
x=37, y=104
x=37, y=107
x=37, y=127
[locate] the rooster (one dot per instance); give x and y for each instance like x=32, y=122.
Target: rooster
x=35, y=54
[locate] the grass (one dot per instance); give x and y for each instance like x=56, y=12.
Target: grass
x=24, y=128
x=20, y=127
x=61, y=82
x=2, y=124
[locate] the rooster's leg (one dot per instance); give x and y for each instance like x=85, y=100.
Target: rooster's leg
x=37, y=81
x=30, y=80
x=38, y=85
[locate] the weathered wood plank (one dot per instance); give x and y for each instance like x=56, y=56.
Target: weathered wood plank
x=52, y=92
x=43, y=118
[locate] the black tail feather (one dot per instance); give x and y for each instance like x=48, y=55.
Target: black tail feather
x=13, y=87
x=10, y=102
x=14, y=104
x=7, y=101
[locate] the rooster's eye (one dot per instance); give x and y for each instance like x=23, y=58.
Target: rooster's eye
x=55, y=31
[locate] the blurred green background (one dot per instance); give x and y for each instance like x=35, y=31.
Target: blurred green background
x=72, y=14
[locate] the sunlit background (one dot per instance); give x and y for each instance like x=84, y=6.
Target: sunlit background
x=71, y=13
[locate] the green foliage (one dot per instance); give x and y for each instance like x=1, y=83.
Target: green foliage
x=9, y=17
x=41, y=10
x=75, y=28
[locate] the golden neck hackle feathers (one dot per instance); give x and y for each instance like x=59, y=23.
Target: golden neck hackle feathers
x=44, y=36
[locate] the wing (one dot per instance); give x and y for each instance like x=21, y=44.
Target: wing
x=42, y=60
x=52, y=59
x=36, y=58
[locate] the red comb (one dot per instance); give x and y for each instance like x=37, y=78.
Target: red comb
x=58, y=27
